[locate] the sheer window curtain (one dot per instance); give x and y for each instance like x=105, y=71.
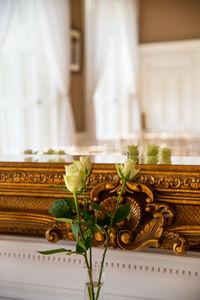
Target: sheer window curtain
x=6, y=10
x=112, y=67
x=97, y=19
x=34, y=77
x=54, y=21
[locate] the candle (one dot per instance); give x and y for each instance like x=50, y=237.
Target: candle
x=132, y=152
x=151, y=159
x=164, y=156
x=151, y=150
x=151, y=154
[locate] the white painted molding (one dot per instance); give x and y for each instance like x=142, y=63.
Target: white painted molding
x=175, y=46
x=144, y=275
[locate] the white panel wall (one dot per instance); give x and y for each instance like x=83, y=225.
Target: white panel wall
x=170, y=85
x=144, y=275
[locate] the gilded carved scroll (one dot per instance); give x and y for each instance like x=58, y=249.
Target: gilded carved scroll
x=165, y=203
x=146, y=225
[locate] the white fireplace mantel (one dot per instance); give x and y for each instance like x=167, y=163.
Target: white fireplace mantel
x=146, y=275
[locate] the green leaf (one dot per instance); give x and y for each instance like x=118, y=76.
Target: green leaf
x=81, y=244
x=79, y=249
x=97, y=206
x=65, y=220
x=102, y=222
x=90, y=223
x=88, y=242
x=129, y=216
x=87, y=233
x=70, y=202
x=75, y=229
x=60, y=209
x=48, y=252
x=70, y=252
x=122, y=213
x=99, y=228
x=128, y=175
x=85, y=215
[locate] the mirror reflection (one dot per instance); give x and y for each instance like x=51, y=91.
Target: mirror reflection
x=95, y=76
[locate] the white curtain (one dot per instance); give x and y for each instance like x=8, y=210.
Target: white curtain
x=34, y=78
x=112, y=62
x=54, y=21
x=6, y=10
x=97, y=19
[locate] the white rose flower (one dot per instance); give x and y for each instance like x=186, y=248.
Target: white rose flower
x=128, y=170
x=86, y=164
x=73, y=178
x=79, y=165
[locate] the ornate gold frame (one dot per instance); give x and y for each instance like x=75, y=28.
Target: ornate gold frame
x=165, y=201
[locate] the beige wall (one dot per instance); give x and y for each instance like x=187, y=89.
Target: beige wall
x=77, y=90
x=169, y=20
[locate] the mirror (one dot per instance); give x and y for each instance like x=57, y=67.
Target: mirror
x=165, y=96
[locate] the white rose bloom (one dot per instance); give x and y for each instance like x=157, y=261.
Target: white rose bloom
x=79, y=165
x=71, y=169
x=86, y=162
x=73, y=178
x=127, y=170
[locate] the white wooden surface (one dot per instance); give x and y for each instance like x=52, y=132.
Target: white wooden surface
x=144, y=275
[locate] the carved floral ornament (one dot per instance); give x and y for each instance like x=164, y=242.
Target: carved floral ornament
x=51, y=177
x=146, y=225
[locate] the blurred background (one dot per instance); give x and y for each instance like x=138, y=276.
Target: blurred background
x=99, y=74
